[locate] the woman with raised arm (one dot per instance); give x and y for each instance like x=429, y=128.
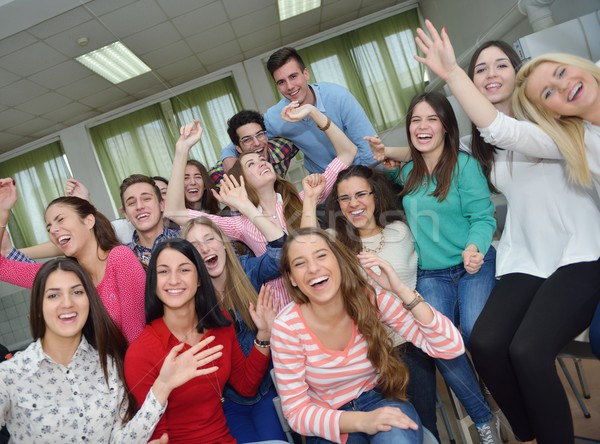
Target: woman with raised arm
x=69, y=384
x=182, y=306
x=275, y=198
x=338, y=375
x=525, y=323
x=81, y=232
x=197, y=187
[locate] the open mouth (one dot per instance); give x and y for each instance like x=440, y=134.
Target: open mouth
x=175, y=291
x=67, y=316
x=63, y=240
x=575, y=92
x=193, y=191
x=142, y=217
x=493, y=86
x=211, y=261
x=424, y=137
x=357, y=213
x=319, y=282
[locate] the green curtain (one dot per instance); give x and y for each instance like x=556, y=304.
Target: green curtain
x=213, y=105
x=375, y=63
x=40, y=176
x=139, y=142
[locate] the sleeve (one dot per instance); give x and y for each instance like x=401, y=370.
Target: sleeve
x=130, y=279
x=265, y=267
x=522, y=136
x=16, y=255
x=216, y=173
x=232, y=226
x=282, y=153
x=330, y=174
x=142, y=366
x=289, y=360
x=18, y=273
x=4, y=400
x=228, y=151
x=356, y=125
x=393, y=176
x=246, y=372
x=476, y=205
x=140, y=428
x=439, y=339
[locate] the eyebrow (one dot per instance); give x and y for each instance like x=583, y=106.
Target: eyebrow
x=58, y=289
x=505, y=59
x=57, y=216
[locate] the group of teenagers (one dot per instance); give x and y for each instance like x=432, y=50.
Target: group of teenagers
x=170, y=334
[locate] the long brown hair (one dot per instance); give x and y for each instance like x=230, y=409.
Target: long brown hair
x=103, y=230
x=238, y=292
x=208, y=202
x=99, y=329
x=481, y=150
x=444, y=170
x=292, y=205
x=386, y=210
x=360, y=304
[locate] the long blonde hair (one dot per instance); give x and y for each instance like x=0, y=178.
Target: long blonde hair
x=567, y=132
x=238, y=292
x=357, y=293
x=292, y=205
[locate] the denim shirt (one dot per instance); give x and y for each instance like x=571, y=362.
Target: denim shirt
x=259, y=270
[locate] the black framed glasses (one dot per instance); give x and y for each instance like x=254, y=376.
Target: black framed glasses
x=345, y=199
x=260, y=136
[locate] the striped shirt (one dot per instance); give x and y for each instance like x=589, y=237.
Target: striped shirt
x=241, y=228
x=314, y=382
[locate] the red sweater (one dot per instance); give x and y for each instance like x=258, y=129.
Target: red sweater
x=194, y=411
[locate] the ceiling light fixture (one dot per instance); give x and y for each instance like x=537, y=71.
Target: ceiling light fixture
x=291, y=8
x=115, y=62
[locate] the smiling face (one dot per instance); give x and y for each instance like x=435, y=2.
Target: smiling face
x=253, y=139
x=176, y=280
x=360, y=209
x=65, y=306
x=193, y=184
x=67, y=230
x=314, y=269
x=292, y=82
x=257, y=171
x=564, y=90
x=494, y=76
x=142, y=207
x=211, y=248
x=426, y=130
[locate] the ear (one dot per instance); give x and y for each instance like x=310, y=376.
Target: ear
x=293, y=281
x=161, y=205
x=306, y=74
x=89, y=221
x=238, y=149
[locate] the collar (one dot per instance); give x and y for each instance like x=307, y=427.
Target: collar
x=166, y=338
x=318, y=101
x=38, y=356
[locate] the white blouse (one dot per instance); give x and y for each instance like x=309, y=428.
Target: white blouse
x=42, y=401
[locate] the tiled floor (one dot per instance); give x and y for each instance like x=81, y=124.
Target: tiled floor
x=584, y=427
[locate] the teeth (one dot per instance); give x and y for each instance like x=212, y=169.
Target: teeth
x=357, y=212
x=143, y=216
x=318, y=280
x=176, y=291
x=493, y=85
x=574, y=91
x=424, y=136
x=193, y=190
x=67, y=316
x=64, y=239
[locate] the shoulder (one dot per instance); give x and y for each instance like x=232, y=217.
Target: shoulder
x=396, y=227
x=121, y=252
x=23, y=363
x=289, y=318
x=146, y=345
x=331, y=88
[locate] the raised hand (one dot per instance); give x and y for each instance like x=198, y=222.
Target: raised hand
x=377, y=147
x=387, y=278
x=438, y=51
x=74, y=188
x=189, y=135
x=8, y=196
x=264, y=313
x=313, y=186
x=293, y=112
x=7, y=244
x=178, y=368
x=232, y=193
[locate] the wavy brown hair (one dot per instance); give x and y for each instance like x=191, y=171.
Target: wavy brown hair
x=481, y=150
x=386, y=210
x=238, y=292
x=99, y=329
x=360, y=304
x=444, y=170
x=292, y=205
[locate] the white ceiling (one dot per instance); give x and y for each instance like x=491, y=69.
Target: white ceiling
x=43, y=89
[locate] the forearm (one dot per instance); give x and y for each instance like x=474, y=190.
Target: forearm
x=345, y=149
x=42, y=251
x=175, y=200
x=270, y=230
x=421, y=312
x=399, y=153
x=309, y=213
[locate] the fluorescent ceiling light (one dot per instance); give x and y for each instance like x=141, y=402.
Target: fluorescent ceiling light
x=290, y=8
x=115, y=62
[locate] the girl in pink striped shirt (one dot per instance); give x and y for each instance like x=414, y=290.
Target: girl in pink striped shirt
x=337, y=374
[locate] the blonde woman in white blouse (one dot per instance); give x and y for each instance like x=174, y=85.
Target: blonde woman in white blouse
x=67, y=386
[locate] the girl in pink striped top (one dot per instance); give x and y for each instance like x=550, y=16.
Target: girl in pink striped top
x=336, y=371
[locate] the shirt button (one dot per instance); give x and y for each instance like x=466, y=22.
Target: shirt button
x=75, y=393
x=83, y=438
x=68, y=371
x=81, y=415
x=34, y=405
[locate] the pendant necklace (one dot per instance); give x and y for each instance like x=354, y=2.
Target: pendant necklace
x=379, y=247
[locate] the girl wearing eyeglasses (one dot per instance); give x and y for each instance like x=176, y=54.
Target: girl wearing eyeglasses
x=276, y=198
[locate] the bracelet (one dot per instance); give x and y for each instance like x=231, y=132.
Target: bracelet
x=262, y=344
x=326, y=126
x=412, y=304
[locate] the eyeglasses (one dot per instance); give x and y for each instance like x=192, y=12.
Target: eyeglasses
x=260, y=136
x=345, y=199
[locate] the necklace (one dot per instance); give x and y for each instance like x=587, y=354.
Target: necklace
x=217, y=390
x=379, y=247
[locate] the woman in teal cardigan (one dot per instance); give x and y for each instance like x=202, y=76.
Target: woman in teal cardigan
x=448, y=208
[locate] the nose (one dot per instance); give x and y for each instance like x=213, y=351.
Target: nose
x=67, y=301
x=312, y=266
x=139, y=204
x=203, y=247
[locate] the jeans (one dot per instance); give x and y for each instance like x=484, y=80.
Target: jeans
x=256, y=422
x=372, y=400
x=461, y=297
